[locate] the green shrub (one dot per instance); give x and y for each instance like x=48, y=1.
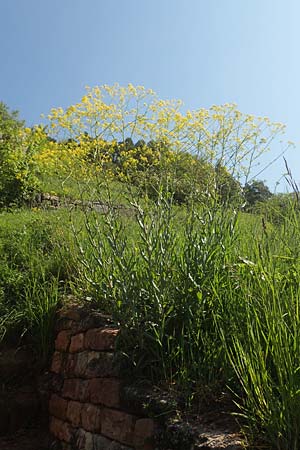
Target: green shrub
x=17, y=177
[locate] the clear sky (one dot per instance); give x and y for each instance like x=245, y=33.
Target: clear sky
x=202, y=51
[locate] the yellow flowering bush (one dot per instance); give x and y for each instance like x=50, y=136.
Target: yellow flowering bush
x=129, y=132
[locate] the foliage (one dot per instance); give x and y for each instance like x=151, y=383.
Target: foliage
x=153, y=271
x=263, y=344
x=103, y=126
x=17, y=177
x=35, y=268
x=256, y=192
x=206, y=297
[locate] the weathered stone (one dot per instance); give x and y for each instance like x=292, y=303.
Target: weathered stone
x=74, y=313
x=57, y=362
x=56, y=444
x=76, y=389
x=62, y=340
x=101, y=365
x=63, y=323
x=101, y=338
x=105, y=391
x=69, y=368
x=101, y=442
x=56, y=383
x=82, y=440
x=61, y=430
x=92, y=320
x=77, y=343
x=144, y=434
x=81, y=363
x=58, y=407
x=118, y=425
x=73, y=413
x=117, y=446
x=65, y=446
x=91, y=417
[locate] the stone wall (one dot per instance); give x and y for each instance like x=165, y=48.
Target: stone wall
x=85, y=407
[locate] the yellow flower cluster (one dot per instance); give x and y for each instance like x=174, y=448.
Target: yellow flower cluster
x=96, y=130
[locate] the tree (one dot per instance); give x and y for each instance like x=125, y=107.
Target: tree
x=256, y=192
x=114, y=117
x=17, y=181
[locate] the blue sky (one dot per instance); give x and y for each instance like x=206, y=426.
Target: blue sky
x=202, y=51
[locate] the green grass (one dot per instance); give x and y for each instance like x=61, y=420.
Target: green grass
x=207, y=297
x=36, y=266
x=67, y=187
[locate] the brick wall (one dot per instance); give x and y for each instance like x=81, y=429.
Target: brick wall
x=85, y=407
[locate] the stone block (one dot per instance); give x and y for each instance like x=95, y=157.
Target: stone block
x=77, y=343
x=92, y=320
x=101, y=365
x=80, y=366
x=83, y=440
x=56, y=383
x=75, y=389
x=63, y=323
x=101, y=339
x=69, y=368
x=105, y=391
x=101, y=442
x=62, y=340
x=117, y=446
x=57, y=362
x=74, y=313
x=73, y=413
x=58, y=407
x=118, y=425
x=91, y=416
x=61, y=430
x=144, y=434
x=65, y=446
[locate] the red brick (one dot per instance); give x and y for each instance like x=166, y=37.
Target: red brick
x=70, y=365
x=118, y=425
x=75, y=389
x=57, y=362
x=101, y=338
x=80, y=367
x=77, y=343
x=74, y=413
x=62, y=340
x=61, y=430
x=91, y=417
x=143, y=434
x=105, y=391
x=58, y=406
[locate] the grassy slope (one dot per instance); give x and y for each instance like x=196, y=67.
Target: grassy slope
x=238, y=312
